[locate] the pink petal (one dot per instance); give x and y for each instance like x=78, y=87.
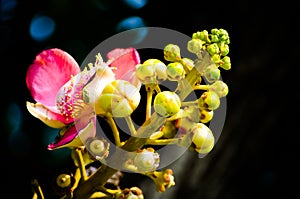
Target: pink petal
x=125, y=61
x=50, y=70
x=77, y=133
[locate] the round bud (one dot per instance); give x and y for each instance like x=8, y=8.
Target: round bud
x=213, y=49
x=194, y=46
x=172, y=53
x=209, y=100
x=99, y=148
x=146, y=160
x=202, y=138
x=159, y=67
x=211, y=73
x=146, y=73
x=227, y=63
x=219, y=87
x=175, y=71
x=166, y=103
x=119, y=97
x=206, y=115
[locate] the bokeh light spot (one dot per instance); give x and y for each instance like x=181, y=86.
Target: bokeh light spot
x=130, y=23
x=135, y=4
x=41, y=28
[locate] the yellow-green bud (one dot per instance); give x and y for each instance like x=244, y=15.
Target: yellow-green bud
x=159, y=67
x=120, y=98
x=219, y=87
x=214, y=38
x=202, y=138
x=194, y=46
x=215, y=31
x=166, y=103
x=227, y=63
x=211, y=73
x=224, y=49
x=146, y=73
x=206, y=115
x=209, y=100
x=213, y=49
x=172, y=53
x=175, y=71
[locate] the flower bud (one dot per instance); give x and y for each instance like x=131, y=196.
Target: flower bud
x=211, y=73
x=159, y=67
x=206, y=115
x=166, y=103
x=175, y=71
x=213, y=49
x=209, y=100
x=219, y=87
x=146, y=74
x=146, y=160
x=202, y=138
x=194, y=46
x=172, y=53
x=227, y=63
x=119, y=98
x=151, y=71
x=98, y=148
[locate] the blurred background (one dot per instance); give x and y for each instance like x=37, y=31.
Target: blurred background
x=256, y=153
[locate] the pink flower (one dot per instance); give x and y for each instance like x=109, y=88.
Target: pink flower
x=56, y=83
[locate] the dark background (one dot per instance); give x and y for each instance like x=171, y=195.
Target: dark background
x=256, y=153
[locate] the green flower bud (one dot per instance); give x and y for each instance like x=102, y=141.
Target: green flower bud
x=213, y=49
x=219, y=87
x=175, y=71
x=166, y=103
x=216, y=58
x=215, y=31
x=194, y=46
x=203, y=138
x=146, y=73
x=211, y=73
x=226, y=63
x=203, y=35
x=206, y=115
x=120, y=98
x=146, y=160
x=224, y=48
x=159, y=67
x=215, y=38
x=209, y=100
x=172, y=53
